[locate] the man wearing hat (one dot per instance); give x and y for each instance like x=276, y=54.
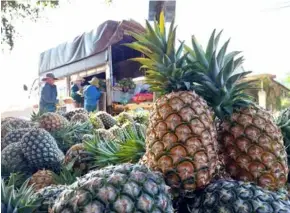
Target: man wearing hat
x=48, y=97
x=76, y=91
x=92, y=95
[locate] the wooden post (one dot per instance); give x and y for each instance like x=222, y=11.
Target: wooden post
x=109, y=80
x=68, y=86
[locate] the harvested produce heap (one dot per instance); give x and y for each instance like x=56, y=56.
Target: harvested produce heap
x=205, y=147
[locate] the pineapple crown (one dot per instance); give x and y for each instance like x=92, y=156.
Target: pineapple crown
x=216, y=76
x=18, y=199
x=163, y=63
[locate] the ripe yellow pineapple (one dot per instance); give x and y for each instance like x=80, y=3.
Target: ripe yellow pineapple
x=42, y=179
x=181, y=136
x=251, y=142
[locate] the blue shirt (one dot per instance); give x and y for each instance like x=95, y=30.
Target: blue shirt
x=91, y=94
x=48, y=98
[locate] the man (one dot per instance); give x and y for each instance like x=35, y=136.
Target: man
x=76, y=91
x=92, y=95
x=48, y=98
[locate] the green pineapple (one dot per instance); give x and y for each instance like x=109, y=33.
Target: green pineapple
x=41, y=150
x=141, y=129
x=122, y=188
x=12, y=124
x=107, y=119
x=141, y=117
x=22, y=199
x=117, y=132
x=13, y=137
x=105, y=134
x=124, y=117
x=12, y=158
x=96, y=121
x=71, y=113
x=48, y=195
x=78, y=157
x=229, y=196
x=79, y=117
x=129, y=127
x=283, y=122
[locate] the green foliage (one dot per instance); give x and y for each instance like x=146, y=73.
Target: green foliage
x=216, y=76
x=13, y=10
x=72, y=134
x=112, y=152
x=67, y=174
x=16, y=199
x=127, y=84
x=164, y=63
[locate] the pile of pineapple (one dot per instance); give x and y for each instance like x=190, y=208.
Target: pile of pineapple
x=205, y=147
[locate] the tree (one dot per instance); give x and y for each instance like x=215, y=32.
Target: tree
x=15, y=10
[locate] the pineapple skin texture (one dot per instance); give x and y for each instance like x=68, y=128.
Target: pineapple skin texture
x=181, y=141
x=51, y=121
x=236, y=197
x=253, y=148
x=41, y=150
x=123, y=188
x=41, y=179
x=13, y=136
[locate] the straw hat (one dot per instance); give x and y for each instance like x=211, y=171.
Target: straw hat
x=49, y=75
x=78, y=78
x=94, y=81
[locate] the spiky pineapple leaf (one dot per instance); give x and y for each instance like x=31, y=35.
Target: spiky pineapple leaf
x=216, y=78
x=18, y=199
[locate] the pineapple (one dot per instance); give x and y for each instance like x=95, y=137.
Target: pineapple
x=122, y=188
x=107, y=119
x=70, y=114
x=40, y=150
x=230, y=196
x=12, y=158
x=141, y=129
x=12, y=124
x=18, y=199
x=123, y=117
x=141, y=117
x=105, y=134
x=181, y=136
x=79, y=117
x=48, y=195
x=118, y=133
x=87, y=137
x=96, y=121
x=77, y=152
x=250, y=140
x=283, y=122
x=13, y=137
x=51, y=121
x=41, y=179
